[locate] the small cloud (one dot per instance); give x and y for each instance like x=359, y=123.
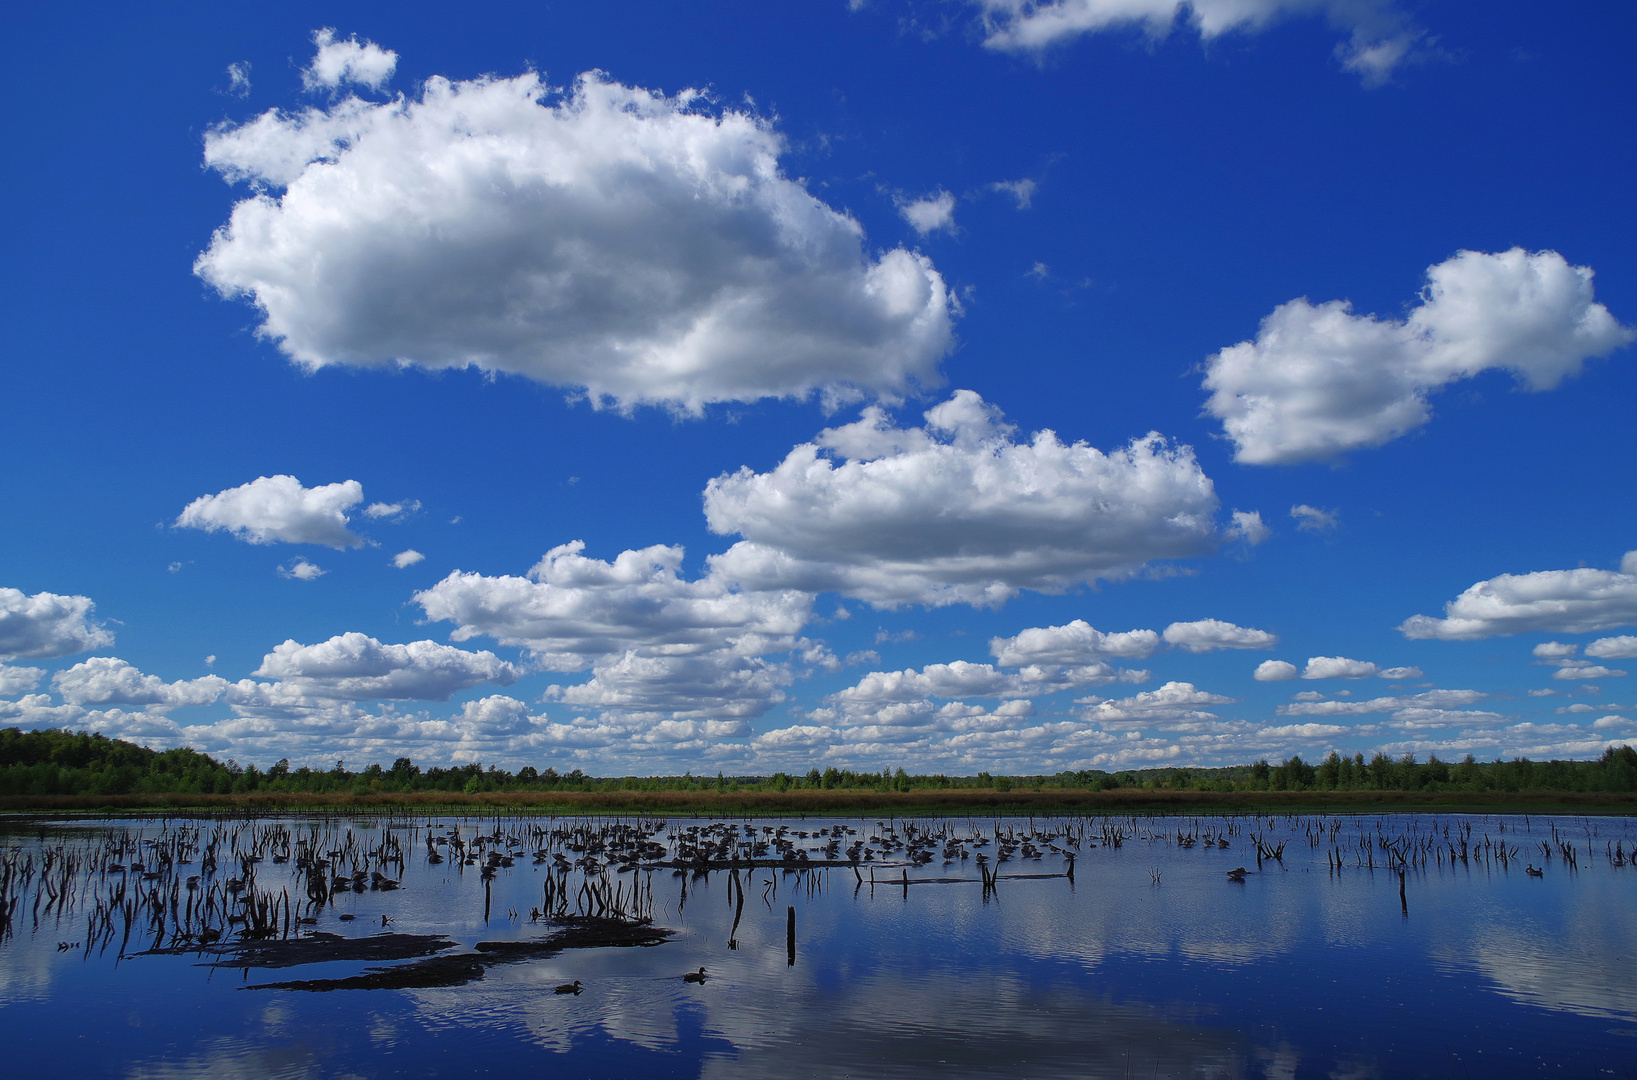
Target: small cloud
x=862, y=656
x=1248, y=527
x=393, y=511
x=1338, y=667
x=842, y=613
x=1307, y=695
x=407, y=558
x=238, y=79
x=1312, y=519
x=174, y=567
x=883, y=637
x=210, y=661
x=1401, y=673
x=351, y=61
x=301, y=570
x=1542, y=693
x=1584, y=669
x=928, y=215
x=1554, y=650
x=1611, y=721
x=1275, y=671
x=455, y=520
x=1039, y=271
x=1021, y=190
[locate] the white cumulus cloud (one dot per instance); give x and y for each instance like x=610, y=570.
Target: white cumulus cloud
x=1319, y=381
x=1623, y=647
x=19, y=680
x=108, y=680
x=1584, y=669
x=407, y=558
x=47, y=625
x=1174, y=705
x=1338, y=667
x=1275, y=671
x=929, y=214
x=357, y=667
x=277, y=509
x=1211, y=635
x=571, y=609
x=301, y=570
x=393, y=511
x=1074, y=643
x=1379, y=36
x=1577, y=601
x=963, y=679
x=348, y=61
x=718, y=684
x=638, y=248
x=957, y=511
x=1248, y=527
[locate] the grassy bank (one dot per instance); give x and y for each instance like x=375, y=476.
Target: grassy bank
x=960, y=802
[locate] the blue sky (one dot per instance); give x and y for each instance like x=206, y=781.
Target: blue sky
x=954, y=386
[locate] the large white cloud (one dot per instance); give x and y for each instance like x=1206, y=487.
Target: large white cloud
x=963, y=679
x=108, y=680
x=1076, y=642
x=1623, y=647
x=571, y=609
x=47, y=625
x=657, y=643
x=275, y=509
x=1176, y=705
x=19, y=680
x=1576, y=601
x=1379, y=36
x=1319, y=381
x=1212, y=635
x=609, y=239
x=958, y=512
x=357, y=667
x=713, y=685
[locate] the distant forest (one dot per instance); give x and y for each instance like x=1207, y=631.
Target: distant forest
x=54, y=762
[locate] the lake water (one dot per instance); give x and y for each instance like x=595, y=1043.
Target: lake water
x=1150, y=961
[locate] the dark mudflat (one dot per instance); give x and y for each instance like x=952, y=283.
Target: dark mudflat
x=321, y=947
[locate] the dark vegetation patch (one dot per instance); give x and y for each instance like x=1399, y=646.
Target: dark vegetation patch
x=458, y=969
x=323, y=947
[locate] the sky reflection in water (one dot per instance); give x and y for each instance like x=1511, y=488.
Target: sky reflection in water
x=1298, y=971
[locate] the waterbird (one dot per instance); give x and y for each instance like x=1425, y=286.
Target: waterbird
x=1533, y=871
x=569, y=988
x=695, y=976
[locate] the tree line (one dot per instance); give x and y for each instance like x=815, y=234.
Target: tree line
x=57, y=762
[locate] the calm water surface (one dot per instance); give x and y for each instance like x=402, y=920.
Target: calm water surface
x=1151, y=961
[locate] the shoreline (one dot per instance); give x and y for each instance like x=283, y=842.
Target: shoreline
x=957, y=803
